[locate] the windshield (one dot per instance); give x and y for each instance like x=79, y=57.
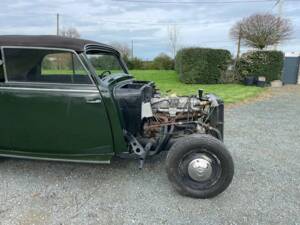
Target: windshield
x=105, y=63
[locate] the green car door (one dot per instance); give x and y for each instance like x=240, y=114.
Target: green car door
x=4, y=125
x=54, y=107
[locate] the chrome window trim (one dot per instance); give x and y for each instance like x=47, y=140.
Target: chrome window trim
x=44, y=48
x=4, y=65
x=108, y=50
x=49, y=89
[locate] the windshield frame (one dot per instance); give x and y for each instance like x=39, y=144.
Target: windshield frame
x=112, y=52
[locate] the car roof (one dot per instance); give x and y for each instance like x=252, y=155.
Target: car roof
x=51, y=41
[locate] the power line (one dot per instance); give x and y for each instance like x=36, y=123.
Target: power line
x=153, y=23
x=198, y=2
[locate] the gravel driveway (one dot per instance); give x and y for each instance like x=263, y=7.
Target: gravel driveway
x=263, y=137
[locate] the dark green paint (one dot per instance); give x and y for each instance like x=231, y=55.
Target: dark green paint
x=113, y=114
x=57, y=121
x=4, y=124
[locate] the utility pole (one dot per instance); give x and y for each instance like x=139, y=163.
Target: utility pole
x=239, y=46
x=132, y=49
x=280, y=14
x=280, y=8
x=57, y=24
x=238, y=52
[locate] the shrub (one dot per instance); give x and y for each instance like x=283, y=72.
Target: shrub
x=261, y=63
x=163, y=62
x=202, y=65
x=138, y=64
x=148, y=65
x=134, y=64
x=229, y=76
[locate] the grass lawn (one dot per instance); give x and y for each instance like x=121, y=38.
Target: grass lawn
x=167, y=81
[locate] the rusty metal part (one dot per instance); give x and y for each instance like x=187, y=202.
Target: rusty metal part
x=152, y=127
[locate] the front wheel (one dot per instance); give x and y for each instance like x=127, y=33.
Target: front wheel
x=199, y=166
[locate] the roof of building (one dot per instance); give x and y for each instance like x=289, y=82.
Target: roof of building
x=292, y=54
x=49, y=41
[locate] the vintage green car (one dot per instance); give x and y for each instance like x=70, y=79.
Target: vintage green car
x=73, y=100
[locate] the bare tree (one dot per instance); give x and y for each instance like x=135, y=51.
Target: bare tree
x=123, y=48
x=70, y=32
x=261, y=30
x=173, y=39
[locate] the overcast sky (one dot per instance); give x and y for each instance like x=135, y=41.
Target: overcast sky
x=106, y=21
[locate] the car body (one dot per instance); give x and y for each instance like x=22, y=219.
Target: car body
x=74, y=100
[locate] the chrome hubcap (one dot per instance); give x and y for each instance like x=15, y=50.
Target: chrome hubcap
x=200, y=169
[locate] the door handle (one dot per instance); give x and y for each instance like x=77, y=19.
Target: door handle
x=93, y=101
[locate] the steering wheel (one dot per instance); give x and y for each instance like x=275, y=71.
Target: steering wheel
x=105, y=73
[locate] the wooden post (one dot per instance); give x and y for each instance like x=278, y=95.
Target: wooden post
x=237, y=54
x=239, y=46
x=132, y=56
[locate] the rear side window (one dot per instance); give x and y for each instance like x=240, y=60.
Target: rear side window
x=44, y=66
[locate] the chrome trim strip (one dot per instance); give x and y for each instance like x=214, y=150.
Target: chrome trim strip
x=49, y=89
x=58, y=160
x=47, y=83
x=4, y=65
x=43, y=48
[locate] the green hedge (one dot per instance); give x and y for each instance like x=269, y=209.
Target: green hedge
x=163, y=62
x=134, y=63
x=201, y=65
x=261, y=63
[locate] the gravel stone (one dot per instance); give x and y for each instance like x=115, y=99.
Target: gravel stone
x=263, y=137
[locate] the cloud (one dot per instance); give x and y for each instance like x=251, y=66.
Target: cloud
x=107, y=21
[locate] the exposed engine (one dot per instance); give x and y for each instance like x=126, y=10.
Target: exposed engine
x=148, y=116
x=172, y=106
x=151, y=122
x=185, y=114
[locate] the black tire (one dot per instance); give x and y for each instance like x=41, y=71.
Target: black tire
x=187, y=149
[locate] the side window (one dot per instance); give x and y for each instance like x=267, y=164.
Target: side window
x=2, y=79
x=105, y=62
x=46, y=66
